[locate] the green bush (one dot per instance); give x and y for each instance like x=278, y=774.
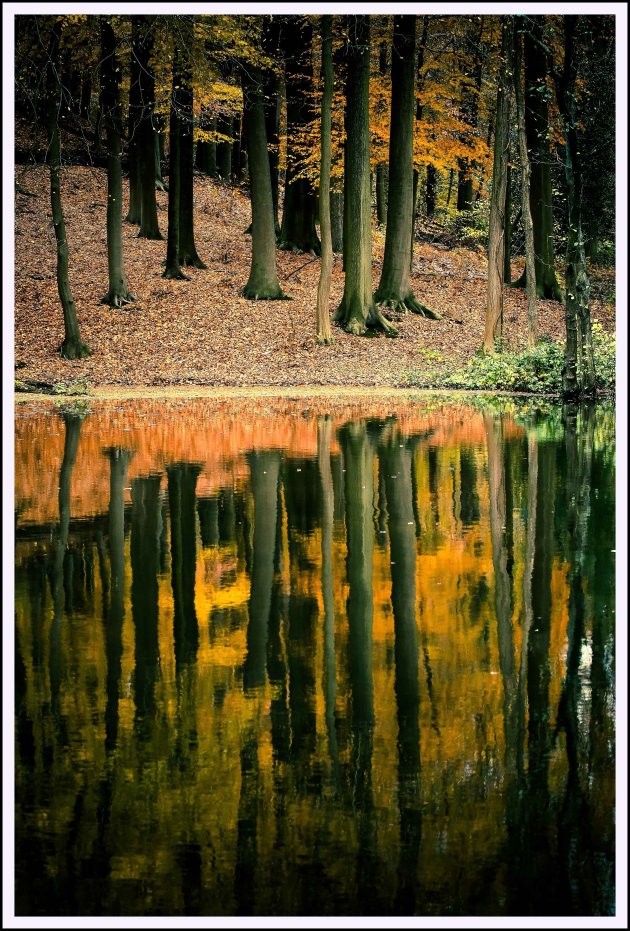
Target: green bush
x=535, y=371
x=467, y=227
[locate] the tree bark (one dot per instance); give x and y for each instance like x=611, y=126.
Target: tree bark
x=297, y=230
x=357, y=310
x=394, y=289
x=537, y=128
x=273, y=105
x=224, y=149
x=72, y=346
x=187, y=250
x=324, y=332
x=336, y=220
x=496, y=234
x=149, y=227
x=263, y=281
x=530, y=261
x=469, y=109
x=579, y=375
x=118, y=293
x=133, y=121
x=173, y=269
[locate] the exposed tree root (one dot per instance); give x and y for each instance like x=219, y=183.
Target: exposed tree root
x=324, y=340
x=118, y=298
x=74, y=348
x=255, y=294
x=192, y=261
x=160, y=186
x=175, y=274
x=402, y=305
x=299, y=249
x=376, y=319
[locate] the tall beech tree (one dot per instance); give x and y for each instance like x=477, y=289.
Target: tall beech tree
x=72, y=346
x=530, y=249
x=297, y=230
x=173, y=267
x=579, y=373
x=394, y=289
x=382, y=167
x=118, y=293
x=145, y=36
x=273, y=106
x=537, y=97
x=183, y=34
x=324, y=333
x=134, y=213
x=262, y=283
x=496, y=233
x=357, y=310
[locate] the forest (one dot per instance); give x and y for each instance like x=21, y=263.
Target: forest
x=446, y=181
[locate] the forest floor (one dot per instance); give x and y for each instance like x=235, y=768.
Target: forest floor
x=202, y=332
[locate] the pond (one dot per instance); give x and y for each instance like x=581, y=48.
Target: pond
x=285, y=658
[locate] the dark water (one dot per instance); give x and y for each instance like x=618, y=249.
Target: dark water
x=343, y=660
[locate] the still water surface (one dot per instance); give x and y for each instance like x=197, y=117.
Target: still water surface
x=335, y=660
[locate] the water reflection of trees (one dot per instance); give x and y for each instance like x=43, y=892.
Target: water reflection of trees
x=284, y=532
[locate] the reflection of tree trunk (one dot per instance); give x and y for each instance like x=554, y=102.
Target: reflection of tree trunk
x=145, y=565
x=396, y=464
x=530, y=544
x=72, y=424
x=324, y=428
x=264, y=468
x=118, y=462
x=182, y=482
x=246, y=844
x=359, y=534
x=502, y=593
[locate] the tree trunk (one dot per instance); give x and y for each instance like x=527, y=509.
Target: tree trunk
x=273, y=105
x=182, y=482
x=173, y=269
x=118, y=293
x=324, y=333
x=263, y=281
x=507, y=251
x=72, y=346
x=336, y=220
x=149, y=227
x=206, y=155
x=530, y=263
x=537, y=129
x=431, y=189
x=357, y=310
x=157, y=154
x=496, y=234
x=579, y=375
x=469, y=109
x=297, y=230
x=394, y=289
x=416, y=175
x=224, y=149
x=381, y=194
x=187, y=249
x=133, y=122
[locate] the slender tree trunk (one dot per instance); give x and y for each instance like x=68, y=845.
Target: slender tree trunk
x=187, y=249
x=133, y=122
x=451, y=176
x=273, y=104
x=72, y=346
x=118, y=293
x=579, y=375
x=381, y=194
x=357, y=310
x=149, y=227
x=324, y=333
x=469, y=109
x=394, y=289
x=173, y=269
x=496, y=234
x=536, y=111
x=263, y=281
x=157, y=154
x=416, y=175
x=297, y=230
x=530, y=263
x=224, y=149
x=507, y=252
x=206, y=156
x=236, y=149
x=431, y=189
x=336, y=220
